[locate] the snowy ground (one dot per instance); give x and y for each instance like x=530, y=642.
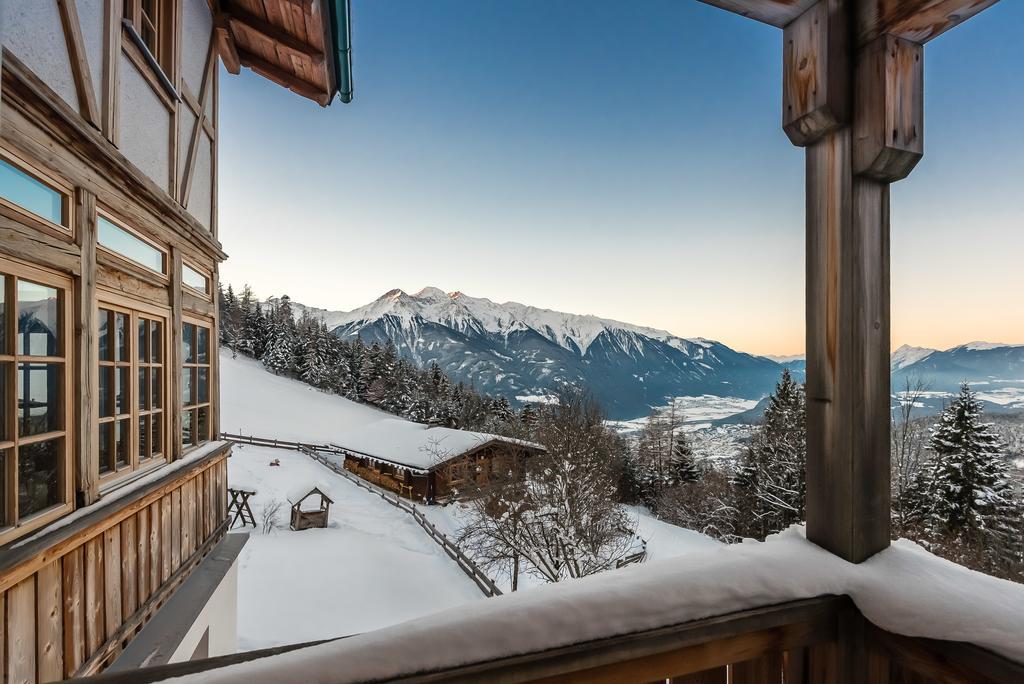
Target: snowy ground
x=371, y=568
x=664, y=540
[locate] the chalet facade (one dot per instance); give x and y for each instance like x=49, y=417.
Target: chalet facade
x=427, y=463
x=112, y=483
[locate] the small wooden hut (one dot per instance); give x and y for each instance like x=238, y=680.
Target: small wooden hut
x=310, y=507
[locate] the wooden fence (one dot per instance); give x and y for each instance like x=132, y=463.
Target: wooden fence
x=316, y=451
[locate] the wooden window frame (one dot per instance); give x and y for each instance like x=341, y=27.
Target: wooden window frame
x=126, y=262
x=158, y=62
x=204, y=273
x=193, y=366
x=135, y=311
x=13, y=527
x=63, y=229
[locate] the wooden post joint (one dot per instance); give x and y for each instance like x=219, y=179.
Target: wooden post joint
x=888, y=139
x=816, y=73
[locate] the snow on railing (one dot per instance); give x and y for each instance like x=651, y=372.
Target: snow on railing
x=451, y=549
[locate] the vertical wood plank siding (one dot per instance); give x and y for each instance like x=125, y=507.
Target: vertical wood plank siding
x=72, y=616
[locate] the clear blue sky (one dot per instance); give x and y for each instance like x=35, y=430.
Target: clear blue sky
x=620, y=159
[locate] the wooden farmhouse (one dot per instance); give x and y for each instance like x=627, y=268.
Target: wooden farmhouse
x=112, y=483
x=427, y=463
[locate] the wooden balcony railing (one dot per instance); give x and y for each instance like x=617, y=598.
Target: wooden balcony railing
x=820, y=640
x=77, y=594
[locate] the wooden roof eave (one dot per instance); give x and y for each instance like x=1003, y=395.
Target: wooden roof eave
x=310, y=56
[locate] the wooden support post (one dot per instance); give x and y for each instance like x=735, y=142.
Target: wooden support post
x=847, y=353
x=87, y=358
x=174, y=367
x=855, y=149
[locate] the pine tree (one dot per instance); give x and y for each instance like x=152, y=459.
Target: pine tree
x=682, y=466
x=964, y=491
x=279, y=355
x=771, y=475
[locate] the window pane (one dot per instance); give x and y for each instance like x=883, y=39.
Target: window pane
x=143, y=437
x=203, y=345
x=158, y=435
x=38, y=398
x=38, y=476
x=156, y=388
x=121, y=336
x=121, y=443
x=143, y=336
x=144, y=394
x=186, y=427
x=203, y=386
x=194, y=279
x=19, y=188
x=202, y=424
x=5, y=429
x=106, y=395
x=121, y=385
x=4, y=455
x=106, y=447
x=37, y=319
x=106, y=349
x=187, y=395
x=188, y=336
x=119, y=240
x=3, y=314
x=156, y=342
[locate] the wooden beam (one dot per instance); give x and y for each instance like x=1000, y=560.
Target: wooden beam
x=847, y=313
x=239, y=18
x=174, y=359
x=193, y=144
x=816, y=73
x=284, y=78
x=889, y=128
x=225, y=42
x=914, y=20
x=775, y=12
x=87, y=359
x=79, y=62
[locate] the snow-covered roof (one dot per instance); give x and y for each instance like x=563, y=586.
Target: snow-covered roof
x=903, y=589
x=301, y=490
x=416, y=446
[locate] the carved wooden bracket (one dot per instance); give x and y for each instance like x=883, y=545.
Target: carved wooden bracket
x=888, y=130
x=816, y=73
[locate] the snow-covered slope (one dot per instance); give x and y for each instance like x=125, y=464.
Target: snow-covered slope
x=521, y=351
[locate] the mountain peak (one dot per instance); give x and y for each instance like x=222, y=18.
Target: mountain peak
x=393, y=294
x=431, y=293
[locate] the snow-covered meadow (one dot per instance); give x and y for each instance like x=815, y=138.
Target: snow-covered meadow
x=373, y=566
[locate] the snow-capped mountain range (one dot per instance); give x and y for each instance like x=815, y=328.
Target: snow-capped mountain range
x=528, y=353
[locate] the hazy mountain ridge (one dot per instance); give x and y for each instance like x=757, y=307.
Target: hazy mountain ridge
x=519, y=350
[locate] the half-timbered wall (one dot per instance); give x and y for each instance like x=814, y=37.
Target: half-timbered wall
x=87, y=115
x=81, y=51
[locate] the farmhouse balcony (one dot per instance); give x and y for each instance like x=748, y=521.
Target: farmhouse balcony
x=780, y=611
x=84, y=587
